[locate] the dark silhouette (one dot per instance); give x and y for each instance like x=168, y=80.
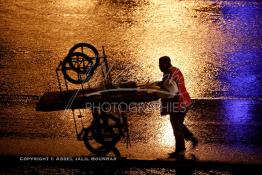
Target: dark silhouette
x=80, y=63
x=176, y=104
x=103, y=134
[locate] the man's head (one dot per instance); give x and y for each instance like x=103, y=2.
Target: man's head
x=164, y=63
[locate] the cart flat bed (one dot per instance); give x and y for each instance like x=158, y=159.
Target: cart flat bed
x=78, y=99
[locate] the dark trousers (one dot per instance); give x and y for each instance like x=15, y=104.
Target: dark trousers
x=181, y=132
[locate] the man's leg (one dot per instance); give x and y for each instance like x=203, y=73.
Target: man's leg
x=189, y=136
x=187, y=133
x=176, y=120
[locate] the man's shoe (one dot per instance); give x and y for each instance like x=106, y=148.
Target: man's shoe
x=177, y=153
x=194, y=142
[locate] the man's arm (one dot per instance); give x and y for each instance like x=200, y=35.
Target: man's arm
x=170, y=86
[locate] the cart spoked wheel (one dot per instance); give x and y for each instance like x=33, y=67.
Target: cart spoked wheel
x=82, y=68
x=101, y=137
x=86, y=49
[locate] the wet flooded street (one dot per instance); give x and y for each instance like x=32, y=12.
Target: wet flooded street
x=216, y=44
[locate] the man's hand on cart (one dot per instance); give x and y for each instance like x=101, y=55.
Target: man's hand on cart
x=150, y=85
